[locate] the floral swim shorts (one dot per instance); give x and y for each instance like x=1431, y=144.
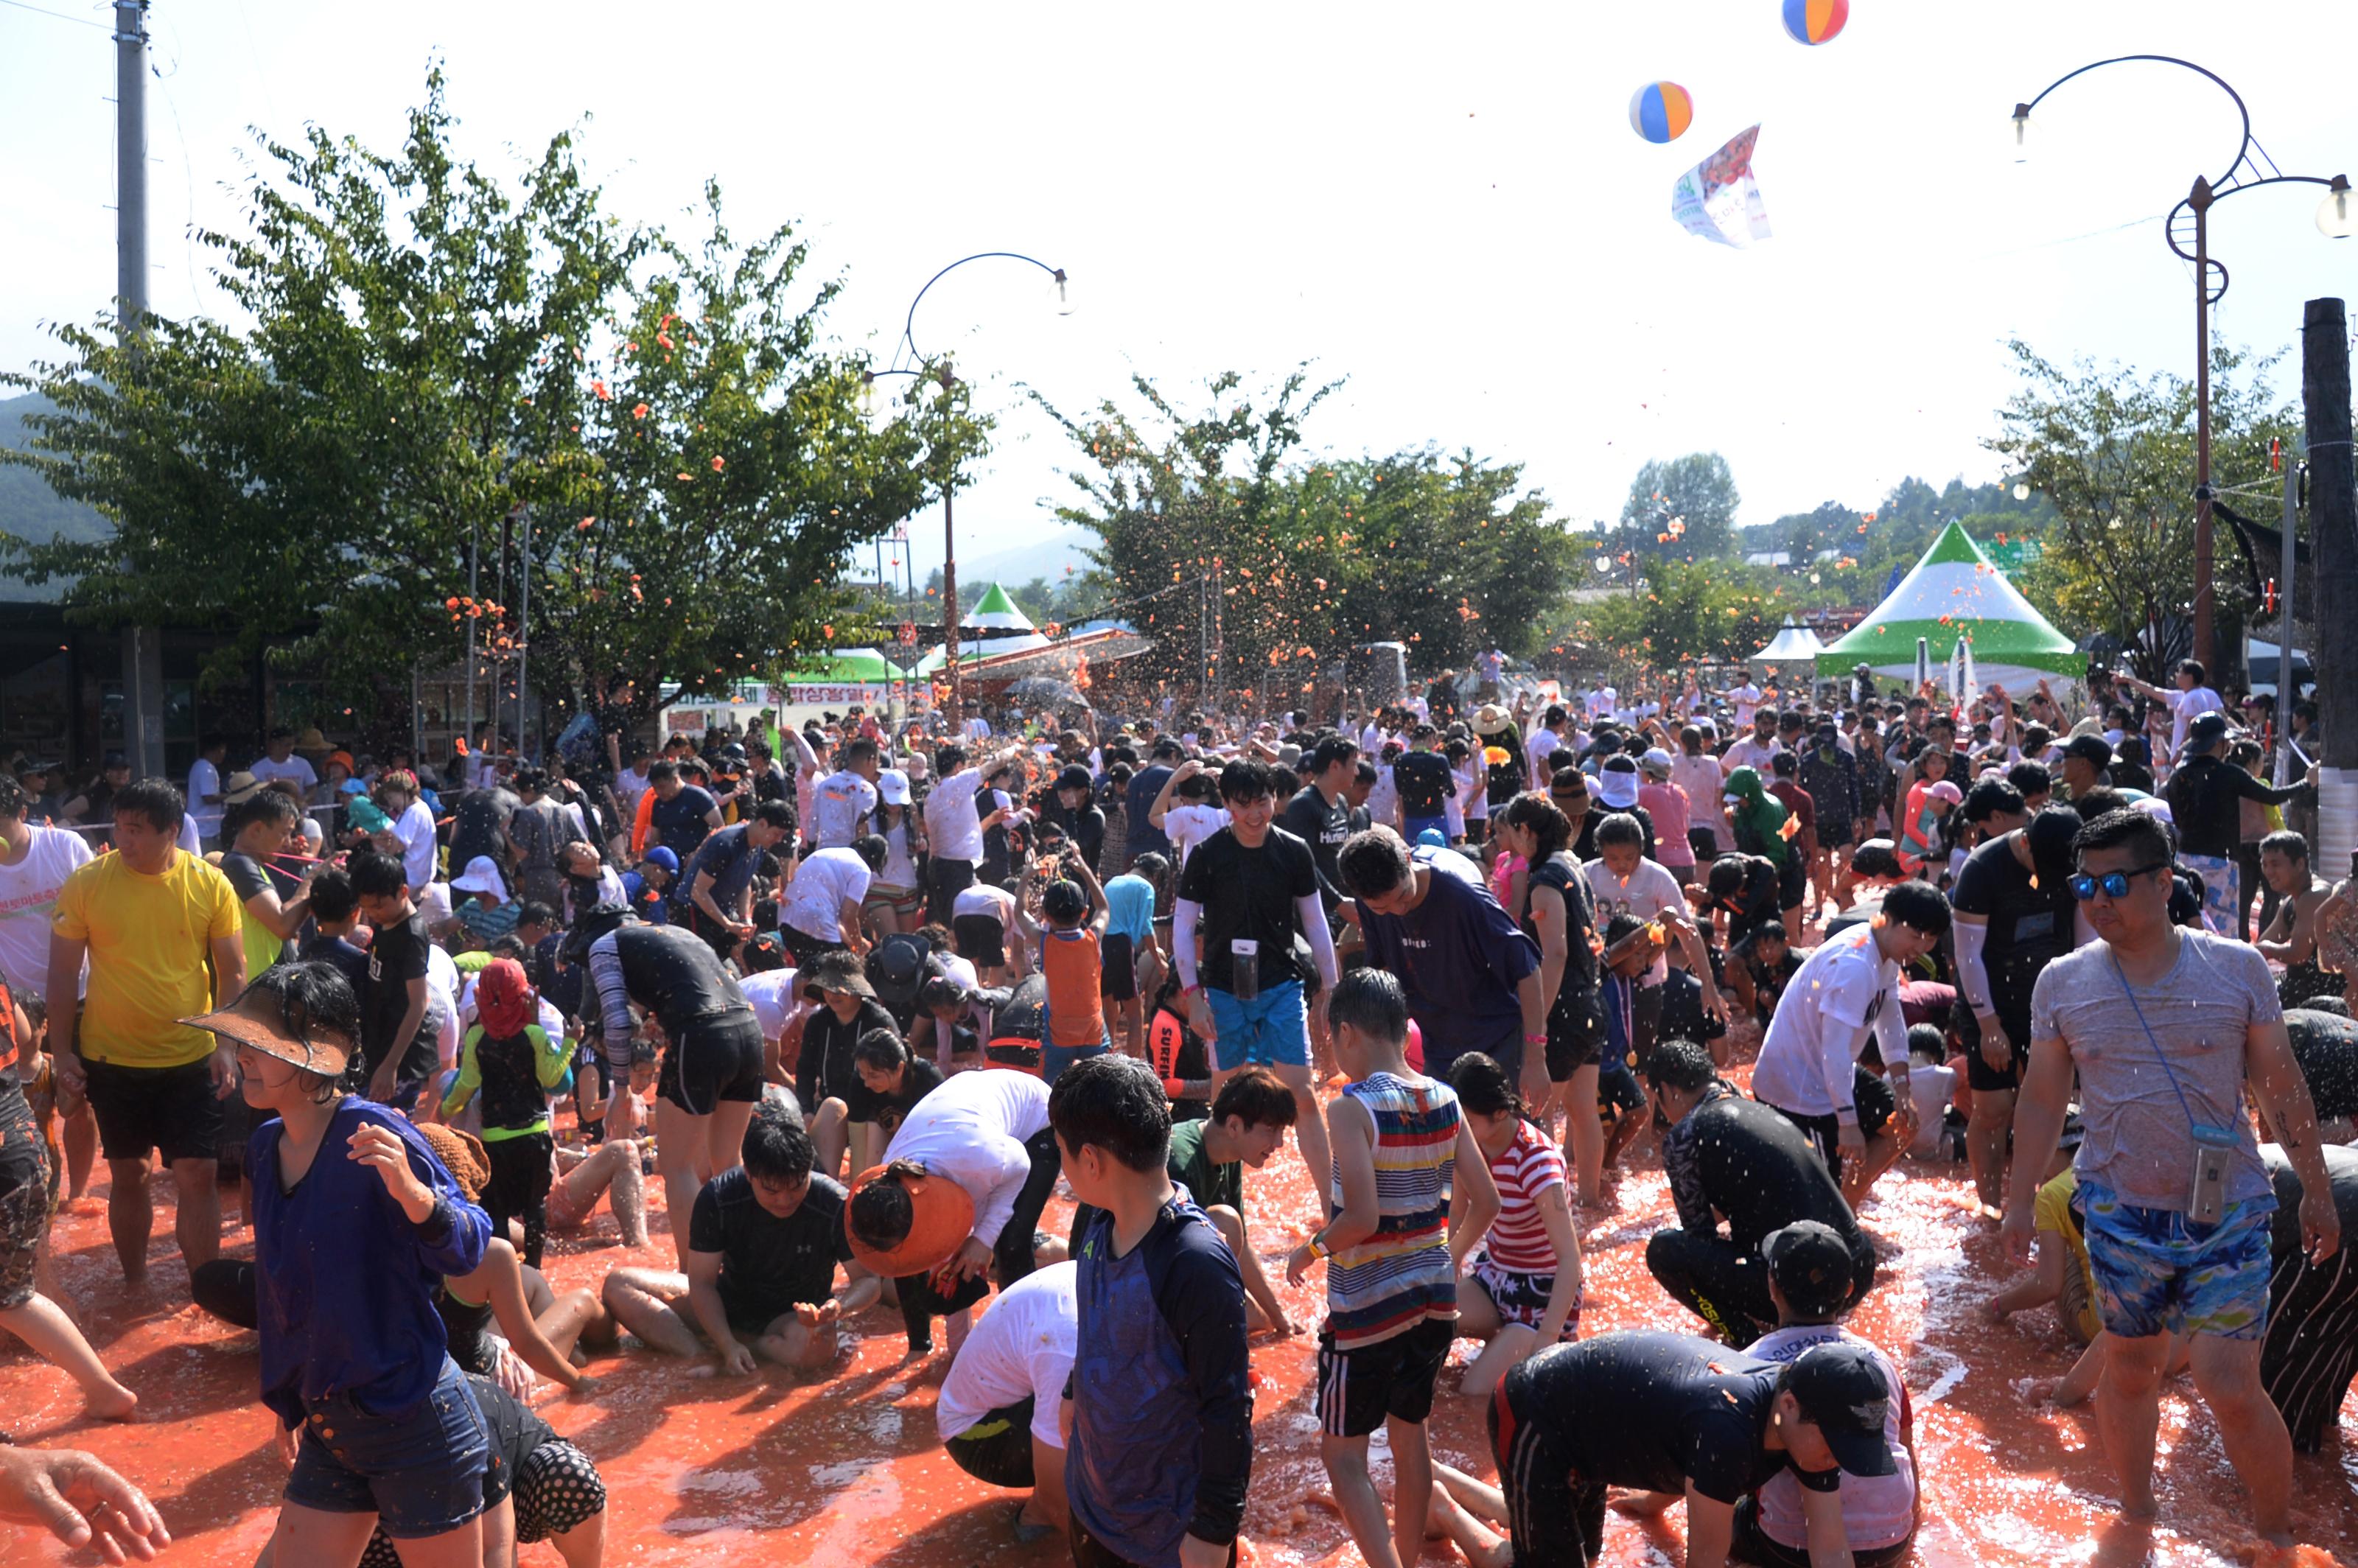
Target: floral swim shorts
x=2157, y=1269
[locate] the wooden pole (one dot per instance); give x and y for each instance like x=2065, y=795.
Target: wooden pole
x=2334, y=544
x=2205, y=603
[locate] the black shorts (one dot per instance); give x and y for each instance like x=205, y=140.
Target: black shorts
x=713, y=1059
x=169, y=1109
x=1358, y=1389
x=981, y=939
x=1876, y=1105
x=998, y=1448
x=1792, y=880
x=805, y=948
x=1575, y=1033
x=1979, y=1075
x=1121, y=981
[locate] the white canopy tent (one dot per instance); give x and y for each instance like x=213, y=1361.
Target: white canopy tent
x=1793, y=644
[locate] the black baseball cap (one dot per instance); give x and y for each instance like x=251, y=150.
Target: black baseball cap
x=1074, y=777
x=1811, y=1263
x=2207, y=730
x=2092, y=749
x=1844, y=1394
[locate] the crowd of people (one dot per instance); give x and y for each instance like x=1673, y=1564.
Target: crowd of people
x=868, y=998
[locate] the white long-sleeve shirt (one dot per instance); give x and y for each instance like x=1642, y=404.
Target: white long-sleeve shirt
x=973, y=1129
x=1844, y=991
x=952, y=827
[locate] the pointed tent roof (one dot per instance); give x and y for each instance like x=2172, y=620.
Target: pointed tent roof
x=1793, y=644
x=1956, y=591
x=997, y=611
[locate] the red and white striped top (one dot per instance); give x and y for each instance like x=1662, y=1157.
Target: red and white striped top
x=1526, y=1168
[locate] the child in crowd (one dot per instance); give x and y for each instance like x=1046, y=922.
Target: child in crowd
x=512, y=1062
x=1131, y=900
x=1072, y=955
x=1629, y=948
x=1525, y=1282
x=1159, y=1403
x=1765, y=970
x=1413, y=1195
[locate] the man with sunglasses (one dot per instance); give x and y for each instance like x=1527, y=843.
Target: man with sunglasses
x=2163, y=1025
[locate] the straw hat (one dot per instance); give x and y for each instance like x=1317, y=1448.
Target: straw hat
x=461, y=1153
x=941, y=1218
x=258, y=1019
x=311, y=739
x=1489, y=719
x=240, y=787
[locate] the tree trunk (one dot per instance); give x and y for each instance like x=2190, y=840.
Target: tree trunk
x=2334, y=541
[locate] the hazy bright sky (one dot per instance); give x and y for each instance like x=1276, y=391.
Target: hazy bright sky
x=1444, y=204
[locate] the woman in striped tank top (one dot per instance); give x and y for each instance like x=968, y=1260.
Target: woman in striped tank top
x=1523, y=1289
x=1412, y=1195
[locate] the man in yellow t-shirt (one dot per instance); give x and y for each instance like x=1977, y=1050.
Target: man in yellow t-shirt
x=164, y=934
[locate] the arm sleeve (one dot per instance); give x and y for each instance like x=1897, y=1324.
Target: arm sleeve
x=1891, y=1032
x=810, y=1062
x=2252, y=789
x=1006, y=1165
x=553, y=1058
x=1682, y=1164
x=803, y=755
x=1182, y=940
x=471, y=1075
x=1837, y=1059
x=1312, y=913
x=1973, y=977
x=451, y=1240
x=613, y=1003
x=1202, y=1297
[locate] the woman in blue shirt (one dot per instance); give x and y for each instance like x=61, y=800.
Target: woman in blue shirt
x=379, y=1424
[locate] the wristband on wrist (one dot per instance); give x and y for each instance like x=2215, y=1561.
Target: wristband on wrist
x=1317, y=1245
x=1534, y=1039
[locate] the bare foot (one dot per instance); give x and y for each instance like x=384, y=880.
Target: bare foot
x=115, y=1403
x=2140, y=1505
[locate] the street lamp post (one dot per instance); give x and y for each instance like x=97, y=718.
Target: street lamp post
x=908, y=344
x=2337, y=217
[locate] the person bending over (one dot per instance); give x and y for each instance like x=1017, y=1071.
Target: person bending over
x=1000, y=1413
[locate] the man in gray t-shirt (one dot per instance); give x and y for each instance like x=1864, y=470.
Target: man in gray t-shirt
x=2164, y=1026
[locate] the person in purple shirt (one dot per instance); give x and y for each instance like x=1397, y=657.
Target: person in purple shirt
x=354, y=1222
x=1471, y=973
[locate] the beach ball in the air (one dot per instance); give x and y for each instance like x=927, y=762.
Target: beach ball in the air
x=1815, y=21
x=1660, y=111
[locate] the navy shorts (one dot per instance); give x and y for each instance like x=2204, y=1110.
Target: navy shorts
x=420, y=1470
x=173, y=1109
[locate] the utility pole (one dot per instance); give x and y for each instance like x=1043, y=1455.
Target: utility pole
x=949, y=600
x=2333, y=542
x=143, y=645
x=524, y=638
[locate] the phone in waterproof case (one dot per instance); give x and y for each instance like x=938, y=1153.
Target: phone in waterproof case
x=2214, y=1150
x=1244, y=969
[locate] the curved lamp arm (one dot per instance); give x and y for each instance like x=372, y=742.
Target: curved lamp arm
x=908, y=325
x=2022, y=110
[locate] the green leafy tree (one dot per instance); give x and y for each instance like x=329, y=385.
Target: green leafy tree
x=2113, y=450
x=1703, y=612
x=433, y=349
x=1695, y=493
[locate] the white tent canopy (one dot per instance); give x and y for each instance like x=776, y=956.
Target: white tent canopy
x=997, y=611
x=1793, y=644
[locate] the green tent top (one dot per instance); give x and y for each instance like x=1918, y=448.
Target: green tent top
x=1956, y=591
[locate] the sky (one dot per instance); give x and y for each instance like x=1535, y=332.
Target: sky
x=1443, y=207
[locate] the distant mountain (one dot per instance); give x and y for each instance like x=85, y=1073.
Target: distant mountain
x=1048, y=557
x=31, y=509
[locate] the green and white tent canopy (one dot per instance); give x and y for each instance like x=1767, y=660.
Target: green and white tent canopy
x=997, y=611
x=1954, y=592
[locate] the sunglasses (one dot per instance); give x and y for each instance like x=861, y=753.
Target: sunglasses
x=2116, y=884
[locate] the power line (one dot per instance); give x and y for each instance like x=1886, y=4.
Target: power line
x=59, y=15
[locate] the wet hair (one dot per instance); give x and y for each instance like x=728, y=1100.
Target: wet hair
x=314, y=995
x=1918, y=905
x=158, y=800
x=1535, y=813
x=2288, y=843
x=1334, y=749
x=332, y=899
x=531, y=911
x=777, y=1146
x=939, y=992
x=2121, y=829
x=859, y=750
x=507, y=945
x=1991, y=797
x=1784, y=764
x=2191, y=668
x=376, y=876
x=1927, y=1041
x=1373, y=862
x=2031, y=778
x=1372, y=1001
x=873, y=849
x=881, y=1049
x=1257, y=1097
x=662, y=770
x=1153, y=867
x=1116, y=1104
x=2102, y=801
x=265, y=805
x=775, y=814
x=1246, y=781
x=1681, y=1064
x=881, y=1213
x=1620, y=830
x=1065, y=902
x=1725, y=876
x=1483, y=1086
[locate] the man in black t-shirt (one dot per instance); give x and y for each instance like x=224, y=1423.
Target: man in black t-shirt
x=1425, y=783
x=479, y=825
x=684, y=814
x=1320, y=813
x=1250, y=888
x=764, y=1244
x=1726, y=1155
x=1675, y=1418
x=398, y=1026
x=2013, y=909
